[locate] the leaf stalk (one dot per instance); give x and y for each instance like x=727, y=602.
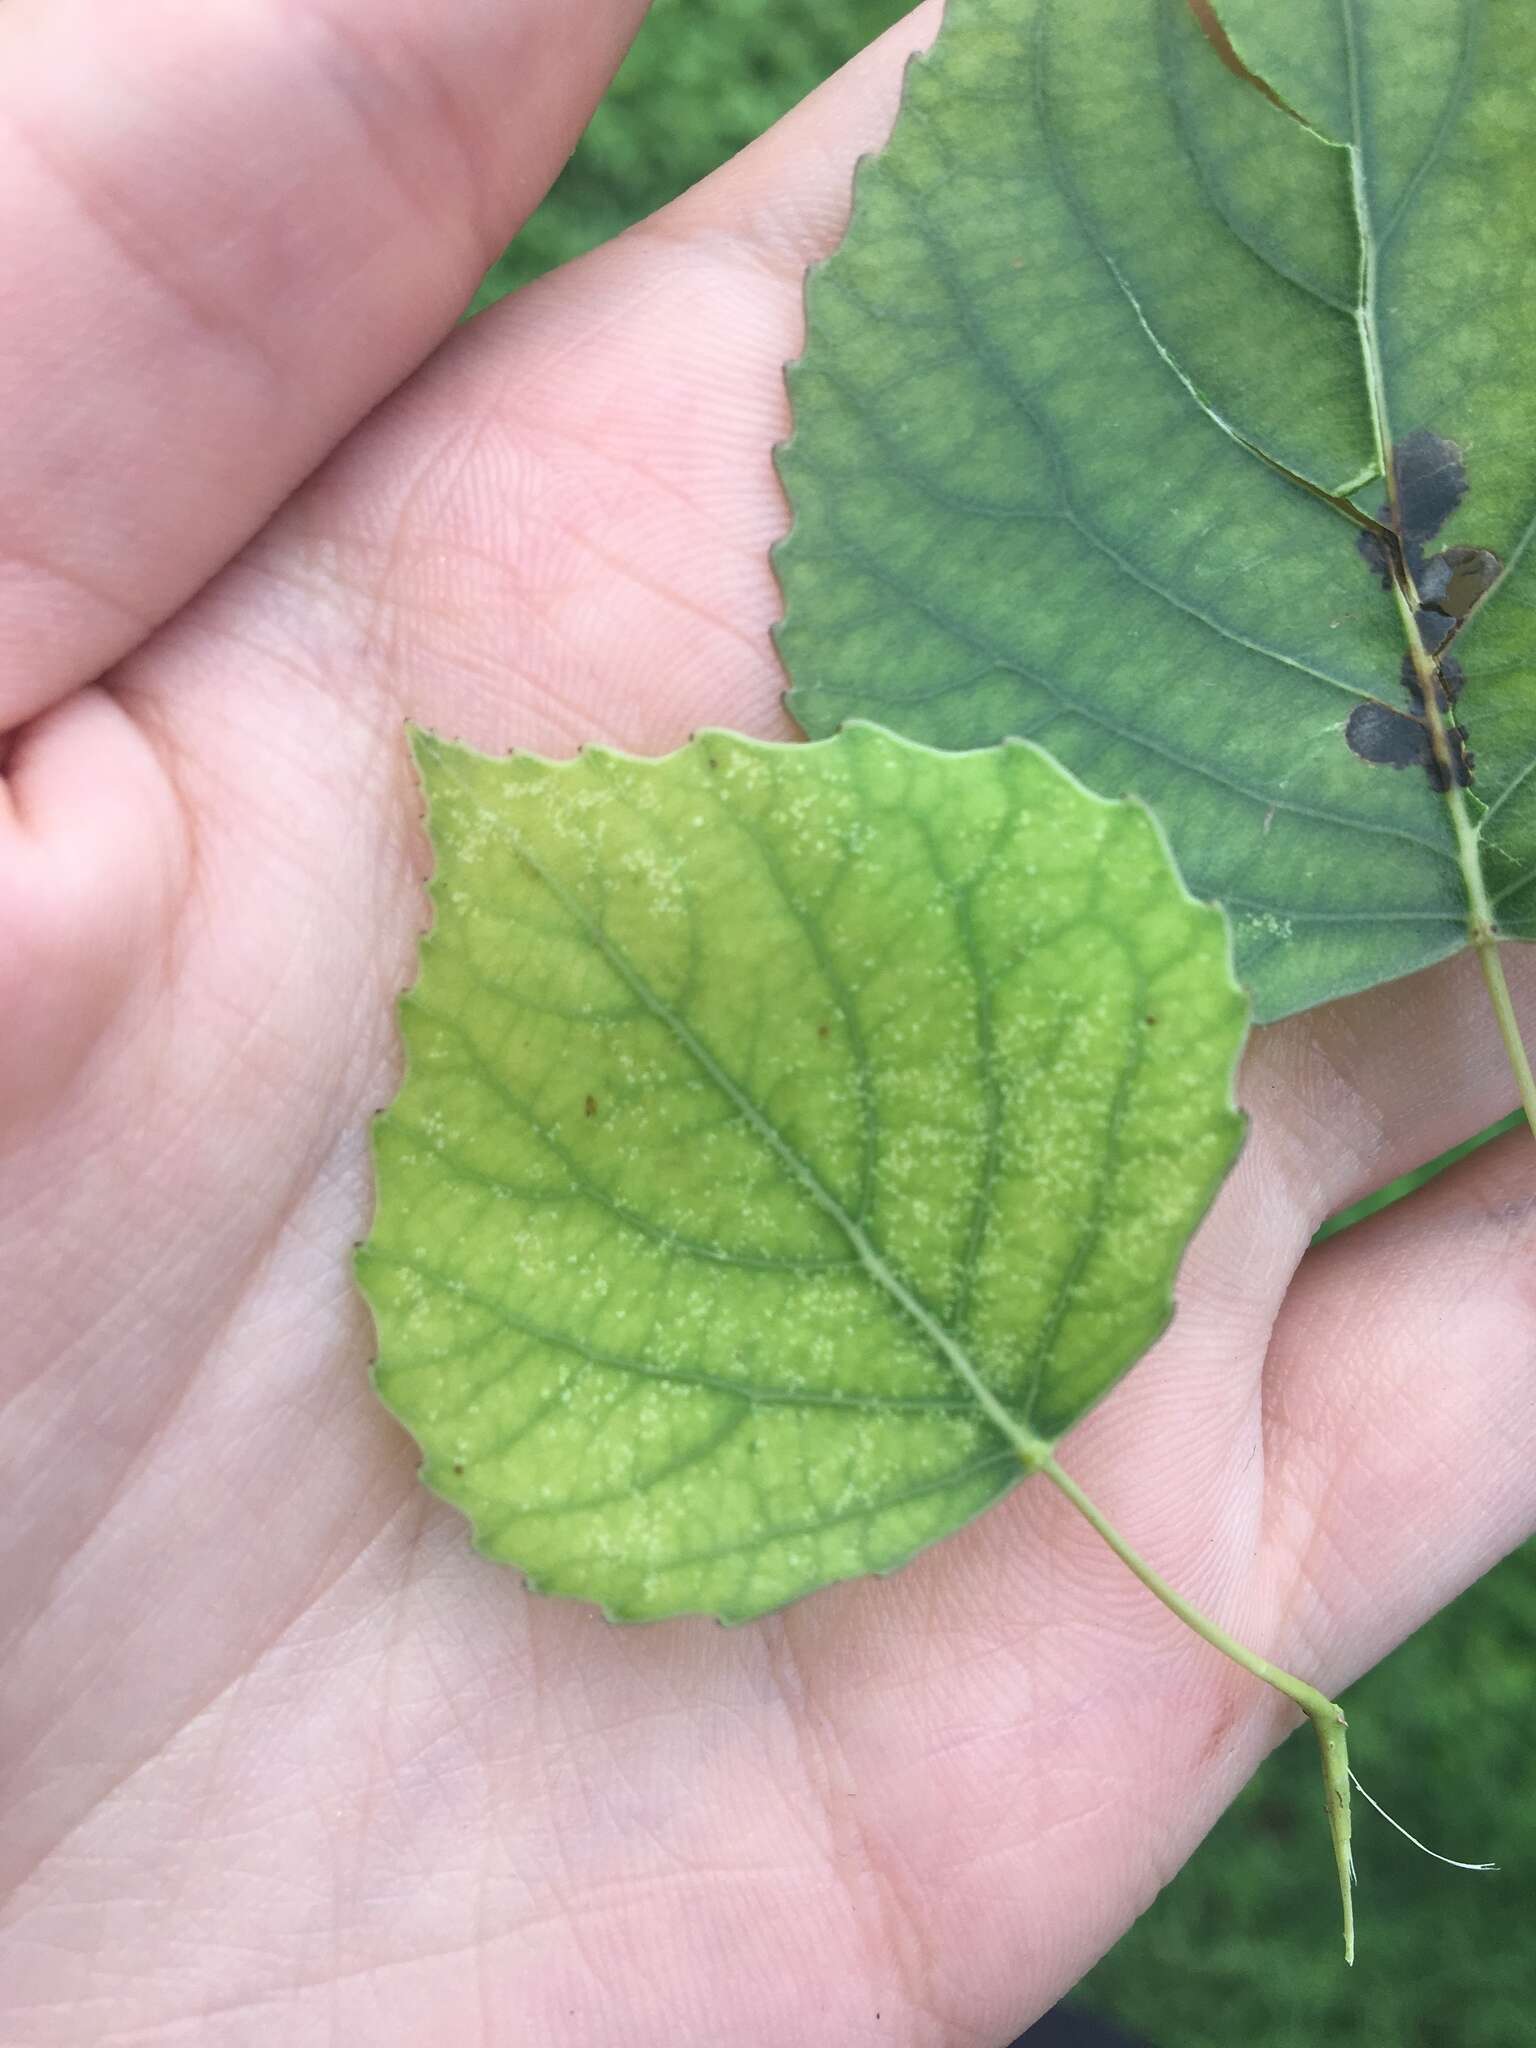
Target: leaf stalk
x=1482, y=927
x=1326, y=1716
x=1490, y=959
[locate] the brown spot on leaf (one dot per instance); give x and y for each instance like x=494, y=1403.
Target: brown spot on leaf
x=590, y=1105
x=823, y=1030
x=1221, y=43
x=458, y=1465
x=1452, y=581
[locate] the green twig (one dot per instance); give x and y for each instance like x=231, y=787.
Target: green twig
x=1482, y=928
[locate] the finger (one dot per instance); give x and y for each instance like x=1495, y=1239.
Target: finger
x=1341, y=1101
x=229, y=230
x=93, y=857
x=1399, y=1409
x=561, y=530
x=1346, y=1098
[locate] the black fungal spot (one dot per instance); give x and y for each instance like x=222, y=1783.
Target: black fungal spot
x=1462, y=761
x=590, y=1105
x=1431, y=481
x=1388, y=738
x=1372, y=550
x=1449, y=677
x=1434, y=629
x=1397, y=739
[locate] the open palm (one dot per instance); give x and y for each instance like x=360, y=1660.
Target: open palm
x=281, y=1760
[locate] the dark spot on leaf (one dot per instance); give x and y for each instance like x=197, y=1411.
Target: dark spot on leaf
x=1149, y=1020
x=1434, y=629
x=1373, y=552
x=823, y=1030
x=1453, y=581
x=458, y=1465
x=1431, y=481
x=1462, y=761
x=1389, y=739
x=1397, y=739
x=591, y=1105
x=1449, y=675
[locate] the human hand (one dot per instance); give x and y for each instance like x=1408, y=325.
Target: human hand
x=282, y=1760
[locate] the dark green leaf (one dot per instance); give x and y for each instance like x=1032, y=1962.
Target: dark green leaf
x=1088, y=448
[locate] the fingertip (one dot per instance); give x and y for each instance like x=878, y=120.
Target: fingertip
x=789, y=195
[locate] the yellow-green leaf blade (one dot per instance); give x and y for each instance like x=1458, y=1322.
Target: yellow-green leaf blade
x=756, y=1098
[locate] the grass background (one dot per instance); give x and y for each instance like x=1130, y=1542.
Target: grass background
x=1243, y=1947
x=704, y=78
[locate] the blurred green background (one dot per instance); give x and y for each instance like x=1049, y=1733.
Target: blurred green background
x=1243, y=1947
x=704, y=78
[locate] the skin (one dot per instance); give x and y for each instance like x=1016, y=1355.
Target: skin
x=281, y=1760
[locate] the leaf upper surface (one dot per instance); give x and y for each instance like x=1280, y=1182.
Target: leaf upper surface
x=771, y=1115
x=1094, y=398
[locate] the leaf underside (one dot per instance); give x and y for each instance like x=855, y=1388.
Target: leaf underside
x=1094, y=400
x=769, y=1112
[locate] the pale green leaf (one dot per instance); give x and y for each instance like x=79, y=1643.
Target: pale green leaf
x=789, y=1133
x=1094, y=398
